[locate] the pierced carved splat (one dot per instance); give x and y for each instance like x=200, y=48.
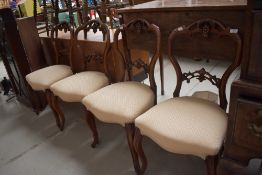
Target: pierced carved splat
x=93, y=59
x=212, y=30
x=96, y=58
x=139, y=26
x=63, y=53
x=206, y=28
x=139, y=63
x=94, y=25
x=64, y=26
x=201, y=75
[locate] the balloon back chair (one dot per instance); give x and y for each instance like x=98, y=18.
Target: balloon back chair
x=190, y=125
x=74, y=88
x=42, y=79
x=120, y=103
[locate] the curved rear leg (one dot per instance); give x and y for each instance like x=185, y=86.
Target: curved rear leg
x=48, y=94
x=140, y=152
x=90, y=120
x=58, y=110
x=130, y=132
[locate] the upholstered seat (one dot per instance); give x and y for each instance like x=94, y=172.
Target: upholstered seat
x=185, y=125
x=121, y=102
x=77, y=86
x=43, y=78
x=193, y=125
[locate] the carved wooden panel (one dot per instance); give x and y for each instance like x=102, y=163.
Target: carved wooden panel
x=248, y=129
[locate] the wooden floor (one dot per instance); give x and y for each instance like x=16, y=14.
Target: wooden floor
x=33, y=145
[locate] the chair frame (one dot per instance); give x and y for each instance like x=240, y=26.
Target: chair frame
x=204, y=28
x=136, y=25
x=93, y=25
x=54, y=35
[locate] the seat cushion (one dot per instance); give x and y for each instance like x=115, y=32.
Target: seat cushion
x=77, y=86
x=121, y=102
x=185, y=125
x=43, y=78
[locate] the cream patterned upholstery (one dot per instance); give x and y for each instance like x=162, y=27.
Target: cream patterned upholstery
x=185, y=125
x=120, y=102
x=76, y=87
x=43, y=78
x=206, y=95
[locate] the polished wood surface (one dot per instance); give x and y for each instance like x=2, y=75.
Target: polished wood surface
x=186, y=5
x=180, y=13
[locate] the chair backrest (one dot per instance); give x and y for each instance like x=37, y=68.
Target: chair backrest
x=208, y=30
x=91, y=46
x=61, y=51
x=139, y=30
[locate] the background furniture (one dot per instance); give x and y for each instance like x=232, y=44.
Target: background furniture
x=244, y=136
x=170, y=14
x=27, y=55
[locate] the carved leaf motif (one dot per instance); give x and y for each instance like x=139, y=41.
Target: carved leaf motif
x=93, y=58
x=256, y=129
x=256, y=125
x=139, y=26
x=206, y=30
x=139, y=63
x=201, y=75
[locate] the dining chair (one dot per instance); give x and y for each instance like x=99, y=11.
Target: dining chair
x=74, y=88
x=190, y=125
x=120, y=103
x=42, y=79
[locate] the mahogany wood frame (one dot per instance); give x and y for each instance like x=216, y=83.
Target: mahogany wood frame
x=94, y=26
x=51, y=99
x=137, y=26
x=201, y=28
x=206, y=28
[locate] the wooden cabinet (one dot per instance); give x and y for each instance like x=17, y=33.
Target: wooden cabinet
x=244, y=135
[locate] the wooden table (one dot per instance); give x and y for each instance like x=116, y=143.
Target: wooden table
x=170, y=14
x=93, y=44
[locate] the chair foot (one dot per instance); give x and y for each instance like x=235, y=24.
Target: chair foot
x=95, y=142
x=140, y=152
x=61, y=128
x=90, y=120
